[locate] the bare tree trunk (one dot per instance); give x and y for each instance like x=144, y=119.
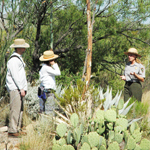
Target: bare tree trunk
x=88, y=59
x=89, y=49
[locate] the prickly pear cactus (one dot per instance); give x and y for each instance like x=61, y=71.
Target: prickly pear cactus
x=100, y=116
x=114, y=146
x=137, y=147
x=111, y=135
x=94, y=148
x=110, y=125
x=74, y=119
x=69, y=137
x=118, y=137
x=67, y=147
x=120, y=104
x=85, y=146
x=61, y=141
x=122, y=122
x=131, y=142
x=84, y=139
x=102, y=147
x=61, y=129
x=56, y=147
x=93, y=139
x=145, y=144
x=110, y=115
x=137, y=135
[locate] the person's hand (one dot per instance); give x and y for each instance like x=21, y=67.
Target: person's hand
x=22, y=92
x=123, y=77
x=52, y=62
x=132, y=73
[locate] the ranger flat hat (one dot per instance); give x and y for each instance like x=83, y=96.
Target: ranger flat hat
x=20, y=43
x=48, y=55
x=132, y=51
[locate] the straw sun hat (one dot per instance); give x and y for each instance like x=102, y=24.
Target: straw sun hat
x=48, y=55
x=132, y=51
x=20, y=43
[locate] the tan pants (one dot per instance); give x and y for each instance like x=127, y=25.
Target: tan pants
x=16, y=111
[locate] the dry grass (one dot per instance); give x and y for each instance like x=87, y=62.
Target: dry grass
x=146, y=99
x=4, y=113
x=39, y=135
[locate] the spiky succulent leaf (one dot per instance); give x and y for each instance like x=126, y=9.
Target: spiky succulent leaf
x=74, y=119
x=61, y=129
x=114, y=146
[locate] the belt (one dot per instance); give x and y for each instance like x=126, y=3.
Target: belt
x=130, y=82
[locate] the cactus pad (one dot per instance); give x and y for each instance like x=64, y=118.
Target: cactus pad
x=56, y=147
x=74, y=119
x=61, y=129
x=85, y=146
x=93, y=139
x=122, y=122
x=131, y=143
x=110, y=115
x=114, y=146
x=67, y=147
x=145, y=144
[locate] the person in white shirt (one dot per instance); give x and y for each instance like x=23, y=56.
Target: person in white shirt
x=47, y=74
x=16, y=84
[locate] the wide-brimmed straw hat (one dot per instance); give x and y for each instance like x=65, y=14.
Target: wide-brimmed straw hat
x=48, y=55
x=20, y=43
x=132, y=51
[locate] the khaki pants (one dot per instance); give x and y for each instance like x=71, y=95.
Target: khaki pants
x=132, y=89
x=16, y=111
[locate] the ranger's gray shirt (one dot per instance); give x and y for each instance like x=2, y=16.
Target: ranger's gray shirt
x=139, y=69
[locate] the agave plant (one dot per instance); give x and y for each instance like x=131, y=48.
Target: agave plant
x=88, y=107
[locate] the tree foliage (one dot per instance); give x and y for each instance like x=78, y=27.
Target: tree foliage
x=117, y=26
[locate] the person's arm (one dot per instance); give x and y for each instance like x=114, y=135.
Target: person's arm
x=54, y=70
x=137, y=76
x=123, y=77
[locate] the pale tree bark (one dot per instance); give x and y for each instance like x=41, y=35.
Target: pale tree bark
x=88, y=59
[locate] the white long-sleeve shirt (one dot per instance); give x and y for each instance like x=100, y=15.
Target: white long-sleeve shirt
x=16, y=73
x=47, y=76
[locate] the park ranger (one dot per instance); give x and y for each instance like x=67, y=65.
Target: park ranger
x=134, y=74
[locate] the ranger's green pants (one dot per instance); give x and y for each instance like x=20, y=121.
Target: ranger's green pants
x=132, y=89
